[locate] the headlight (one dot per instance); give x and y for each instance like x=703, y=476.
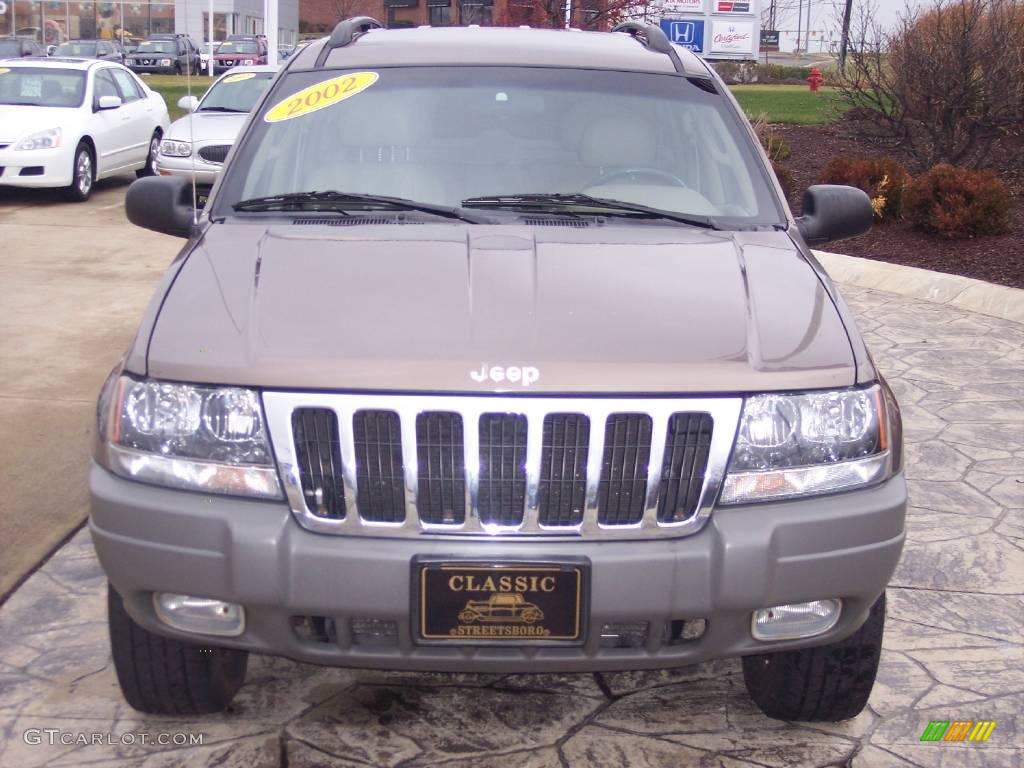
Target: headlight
x=209, y=439
x=175, y=148
x=47, y=139
x=165, y=62
x=819, y=442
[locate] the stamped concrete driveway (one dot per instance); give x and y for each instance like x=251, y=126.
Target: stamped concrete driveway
x=954, y=644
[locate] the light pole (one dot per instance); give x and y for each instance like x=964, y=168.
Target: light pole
x=799, y=24
x=845, y=41
x=270, y=28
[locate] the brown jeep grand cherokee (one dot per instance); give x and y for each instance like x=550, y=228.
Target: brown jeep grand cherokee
x=491, y=317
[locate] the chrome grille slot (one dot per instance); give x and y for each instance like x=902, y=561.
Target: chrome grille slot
x=319, y=454
x=502, y=466
x=563, y=469
x=502, y=485
x=627, y=452
x=442, y=480
x=687, y=446
x=380, y=482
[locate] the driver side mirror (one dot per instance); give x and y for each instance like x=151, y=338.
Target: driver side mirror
x=833, y=212
x=161, y=203
x=188, y=103
x=108, y=102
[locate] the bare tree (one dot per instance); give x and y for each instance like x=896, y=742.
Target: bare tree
x=947, y=84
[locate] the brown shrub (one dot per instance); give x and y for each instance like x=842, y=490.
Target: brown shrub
x=786, y=179
x=884, y=180
x=776, y=146
x=946, y=83
x=957, y=203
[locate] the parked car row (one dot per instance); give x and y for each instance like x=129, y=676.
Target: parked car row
x=165, y=54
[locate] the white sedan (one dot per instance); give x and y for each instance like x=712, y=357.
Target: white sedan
x=68, y=122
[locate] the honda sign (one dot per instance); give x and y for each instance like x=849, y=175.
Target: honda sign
x=687, y=33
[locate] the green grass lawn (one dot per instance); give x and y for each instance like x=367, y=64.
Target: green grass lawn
x=173, y=87
x=778, y=103
x=793, y=104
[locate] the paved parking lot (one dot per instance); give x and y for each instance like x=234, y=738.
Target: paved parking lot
x=954, y=647
x=74, y=279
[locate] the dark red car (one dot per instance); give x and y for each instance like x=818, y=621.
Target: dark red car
x=238, y=53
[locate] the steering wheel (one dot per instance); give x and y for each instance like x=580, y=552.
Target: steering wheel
x=655, y=172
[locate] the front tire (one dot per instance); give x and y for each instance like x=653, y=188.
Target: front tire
x=162, y=676
x=150, y=168
x=827, y=683
x=83, y=174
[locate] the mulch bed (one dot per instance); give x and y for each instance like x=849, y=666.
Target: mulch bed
x=997, y=259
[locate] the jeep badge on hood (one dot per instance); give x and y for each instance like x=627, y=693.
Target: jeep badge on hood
x=525, y=375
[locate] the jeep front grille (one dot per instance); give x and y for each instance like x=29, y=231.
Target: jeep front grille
x=424, y=465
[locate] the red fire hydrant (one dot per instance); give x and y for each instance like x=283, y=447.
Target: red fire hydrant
x=815, y=79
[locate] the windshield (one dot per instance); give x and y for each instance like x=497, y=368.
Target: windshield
x=236, y=93
x=443, y=135
x=243, y=46
x=156, y=46
x=76, y=49
x=10, y=48
x=41, y=86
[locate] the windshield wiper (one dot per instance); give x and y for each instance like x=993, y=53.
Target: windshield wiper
x=584, y=204
x=332, y=200
x=221, y=109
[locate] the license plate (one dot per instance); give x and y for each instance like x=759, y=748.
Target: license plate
x=498, y=603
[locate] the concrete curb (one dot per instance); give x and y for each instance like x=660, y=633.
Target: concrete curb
x=952, y=290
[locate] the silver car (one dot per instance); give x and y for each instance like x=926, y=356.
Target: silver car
x=196, y=145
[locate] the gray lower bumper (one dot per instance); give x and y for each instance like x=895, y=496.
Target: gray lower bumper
x=152, y=539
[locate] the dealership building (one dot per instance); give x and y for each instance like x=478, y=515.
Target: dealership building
x=60, y=20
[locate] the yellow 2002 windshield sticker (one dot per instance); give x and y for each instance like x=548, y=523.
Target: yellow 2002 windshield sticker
x=321, y=95
x=239, y=77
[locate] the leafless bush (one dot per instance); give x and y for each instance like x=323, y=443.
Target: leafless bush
x=947, y=84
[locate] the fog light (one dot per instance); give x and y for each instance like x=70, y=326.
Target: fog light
x=621, y=635
x=199, y=614
x=794, y=621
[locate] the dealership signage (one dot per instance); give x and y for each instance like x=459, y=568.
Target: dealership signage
x=770, y=38
x=683, y=6
x=732, y=37
x=688, y=33
x=727, y=6
x=718, y=29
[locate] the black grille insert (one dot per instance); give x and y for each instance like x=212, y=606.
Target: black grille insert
x=215, y=153
x=380, y=478
x=502, y=489
x=562, y=493
x=441, y=486
x=687, y=446
x=627, y=451
x=319, y=457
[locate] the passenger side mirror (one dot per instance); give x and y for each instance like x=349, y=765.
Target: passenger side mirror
x=188, y=103
x=162, y=204
x=108, y=102
x=834, y=212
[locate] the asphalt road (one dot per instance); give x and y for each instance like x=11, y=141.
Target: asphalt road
x=74, y=279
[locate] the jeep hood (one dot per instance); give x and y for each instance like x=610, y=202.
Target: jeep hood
x=418, y=307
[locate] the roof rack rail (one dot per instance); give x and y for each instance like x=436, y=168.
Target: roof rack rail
x=653, y=38
x=345, y=33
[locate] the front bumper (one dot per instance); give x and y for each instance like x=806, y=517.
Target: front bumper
x=205, y=173
x=153, y=69
x=152, y=539
x=55, y=165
